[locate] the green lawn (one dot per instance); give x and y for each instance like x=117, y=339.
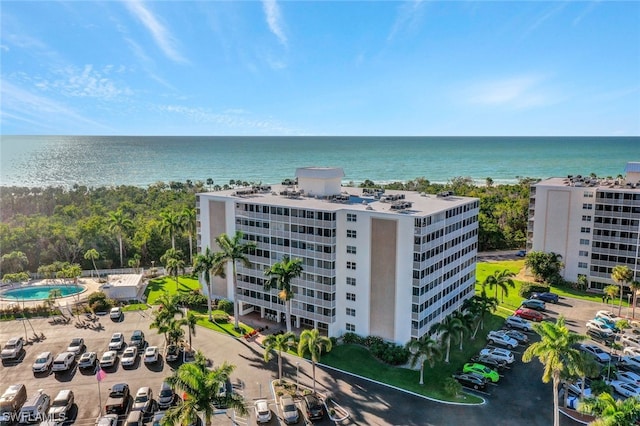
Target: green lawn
x=222, y=327
x=135, y=307
x=160, y=285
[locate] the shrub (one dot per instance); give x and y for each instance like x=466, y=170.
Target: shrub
x=193, y=299
x=352, y=338
x=96, y=296
x=334, y=341
x=226, y=305
x=221, y=318
x=451, y=386
x=528, y=288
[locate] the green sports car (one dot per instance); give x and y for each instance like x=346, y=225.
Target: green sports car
x=482, y=371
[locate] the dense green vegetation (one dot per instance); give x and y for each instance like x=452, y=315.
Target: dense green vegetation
x=133, y=226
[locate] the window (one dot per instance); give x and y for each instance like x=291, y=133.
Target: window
x=585, y=229
x=351, y=327
x=351, y=297
x=587, y=206
x=583, y=253
x=588, y=194
x=351, y=312
x=584, y=242
x=583, y=265
x=586, y=218
x=351, y=281
x=351, y=265
x=351, y=233
x=351, y=217
x=351, y=249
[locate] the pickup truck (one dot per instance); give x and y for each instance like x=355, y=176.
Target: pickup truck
x=118, y=400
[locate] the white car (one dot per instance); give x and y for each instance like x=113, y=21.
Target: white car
x=115, y=313
x=151, y=355
x=12, y=348
x=129, y=356
x=117, y=342
x=263, y=413
x=501, y=355
x=628, y=340
x=576, y=387
x=76, y=346
x=108, y=359
x=107, y=420
x=596, y=325
x=87, y=360
x=626, y=389
x=627, y=376
x=608, y=315
x=598, y=353
x=517, y=322
x=43, y=362
x=143, y=401
x=289, y=409
x=499, y=338
x=632, y=362
x=631, y=351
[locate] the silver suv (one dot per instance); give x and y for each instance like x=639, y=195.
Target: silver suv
x=517, y=322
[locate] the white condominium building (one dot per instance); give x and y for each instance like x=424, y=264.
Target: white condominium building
x=593, y=223
x=388, y=264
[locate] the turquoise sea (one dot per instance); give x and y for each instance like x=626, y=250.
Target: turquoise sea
x=140, y=161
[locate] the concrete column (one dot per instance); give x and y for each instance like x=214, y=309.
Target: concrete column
x=261, y=311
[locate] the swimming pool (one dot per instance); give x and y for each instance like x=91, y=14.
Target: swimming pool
x=40, y=292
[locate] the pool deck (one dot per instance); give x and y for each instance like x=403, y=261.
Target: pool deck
x=90, y=285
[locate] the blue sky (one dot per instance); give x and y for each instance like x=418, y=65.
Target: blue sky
x=300, y=68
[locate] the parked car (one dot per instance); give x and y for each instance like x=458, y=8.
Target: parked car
x=63, y=361
x=143, y=400
x=631, y=351
x=157, y=418
x=108, y=359
x=630, y=363
x=35, y=408
x=12, y=348
x=608, y=323
x=608, y=315
x=626, y=389
x=500, y=338
x=129, y=356
x=545, y=297
x=137, y=339
x=482, y=371
x=528, y=314
x=289, y=409
x=118, y=399
x=597, y=352
x=117, y=342
x=151, y=355
x=61, y=405
x=313, y=407
x=263, y=413
x=172, y=353
x=471, y=380
x=627, y=340
x=521, y=253
x=166, y=396
x=107, y=420
x=76, y=346
x=576, y=388
x=490, y=362
x=43, y=362
x=517, y=335
x=535, y=304
x=599, y=326
x=517, y=322
x=499, y=354
x=606, y=337
x=134, y=418
x=87, y=360
x=115, y=313
x=627, y=376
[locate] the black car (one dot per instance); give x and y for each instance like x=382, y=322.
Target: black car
x=517, y=335
x=492, y=363
x=545, y=297
x=471, y=380
x=313, y=406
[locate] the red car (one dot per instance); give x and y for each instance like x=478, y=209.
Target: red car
x=529, y=314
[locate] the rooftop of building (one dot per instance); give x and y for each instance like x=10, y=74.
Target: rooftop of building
x=124, y=280
x=350, y=198
x=579, y=181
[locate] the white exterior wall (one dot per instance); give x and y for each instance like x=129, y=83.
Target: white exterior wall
x=404, y=279
x=320, y=187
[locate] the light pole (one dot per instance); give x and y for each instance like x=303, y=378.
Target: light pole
x=629, y=307
x=297, y=375
x=260, y=390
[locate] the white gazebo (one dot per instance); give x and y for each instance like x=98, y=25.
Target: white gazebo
x=124, y=287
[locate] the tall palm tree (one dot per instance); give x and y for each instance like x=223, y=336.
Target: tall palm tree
x=190, y=321
x=611, y=291
x=278, y=343
x=621, y=274
x=480, y=306
x=609, y=411
x=203, y=264
x=555, y=351
x=188, y=219
x=314, y=344
x=503, y=280
x=466, y=320
x=93, y=255
x=448, y=331
x=635, y=286
x=119, y=223
x=200, y=386
x=175, y=333
x=173, y=262
x=232, y=251
x=424, y=349
x=280, y=276
x=164, y=316
x=171, y=224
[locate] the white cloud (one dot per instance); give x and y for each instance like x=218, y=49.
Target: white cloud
x=408, y=18
x=519, y=92
x=274, y=20
x=85, y=82
x=163, y=38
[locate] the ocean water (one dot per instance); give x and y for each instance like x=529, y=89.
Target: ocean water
x=141, y=161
